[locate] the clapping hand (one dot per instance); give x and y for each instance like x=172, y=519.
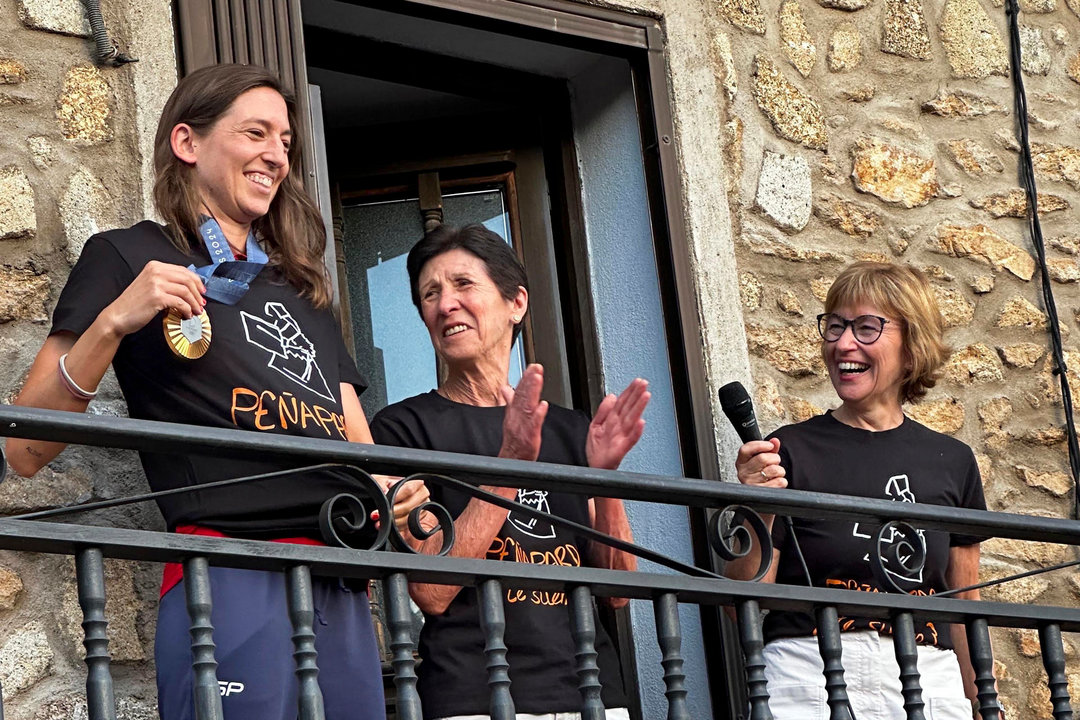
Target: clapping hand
x=617, y=426
x=525, y=413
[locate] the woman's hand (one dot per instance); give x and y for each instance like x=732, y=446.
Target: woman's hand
x=617, y=426
x=160, y=286
x=758, y=463
x=525, y=413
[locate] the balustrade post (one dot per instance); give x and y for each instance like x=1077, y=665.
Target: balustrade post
x=399, y=621
x=982, y=660
x=583, y=630
x=829, y=645
x=1053, y=654
x=748, y=615
x=493, y=625
x=90, y=580
x=302, y=616
x=907, y=657
x=669, y=635
x=203, y=664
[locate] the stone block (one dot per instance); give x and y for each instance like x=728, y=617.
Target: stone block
x=122, y=611
x=973, y=158
x=767, y=400
x=860, y=94
x=1056, y=483
x=856, y=219
x=1038, y=7
x=1014, y=204
x=1051, y=383
x=982, y=284
x=1063, y=271
x=743, y=14
x=66, y=17
x=819, y=287
x=794, y=114
x=23, y=293
x=1040, y=553
x=1035, y=56
x=1044, y=437
x=994, y=413
x=12, y=72
x=1059, y=34
x=973, y=364
x=956, y=310
x=726, y=65
x=18, y=213
x=984, y=245
x=750, y=291
x=47, y=489
x=892, y=173
x=733, y=152
x=801, y=409
x=762, y=244
x=1023, y=591
x=973, y=45
x=1059, y=163
x=1021, y=355
x=905, y=33
x=1019, y=312
x=1066, y=243
x=963, y=104
x=784, y=191
x=944, y=416
x=42, y=151
x=25, y=659
x=83, y=109
x=11, y=587
x=794, y=351
x=795, y=38
x=1074, y=5
x=1073, y=67
x=845, y=47
x=85, y=210
x=788, y=302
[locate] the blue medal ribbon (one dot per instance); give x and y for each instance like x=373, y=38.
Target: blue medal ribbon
x=227, y=279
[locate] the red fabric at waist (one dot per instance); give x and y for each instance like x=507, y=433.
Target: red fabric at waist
x=174, y=572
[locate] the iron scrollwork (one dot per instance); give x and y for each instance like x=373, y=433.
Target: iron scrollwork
x=444, y=522
x=731, y=539
x=899, y=553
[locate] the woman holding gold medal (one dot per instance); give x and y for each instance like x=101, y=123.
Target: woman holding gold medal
x=221, y=318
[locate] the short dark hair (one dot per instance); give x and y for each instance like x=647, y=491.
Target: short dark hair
x=503, y=266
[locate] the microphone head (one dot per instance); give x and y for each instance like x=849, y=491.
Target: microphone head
x=740, y=411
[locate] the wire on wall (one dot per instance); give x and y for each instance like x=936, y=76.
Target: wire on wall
x=1027, y=181
x=106, y=51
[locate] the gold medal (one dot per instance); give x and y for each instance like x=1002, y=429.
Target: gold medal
x=189, y=339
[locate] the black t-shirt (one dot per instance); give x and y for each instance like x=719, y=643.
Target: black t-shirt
x=909, y=463
x=275, y=364
x=453, y=675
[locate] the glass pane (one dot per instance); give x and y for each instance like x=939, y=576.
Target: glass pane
x=393, y=350
x=487, y=207
x=392, y=346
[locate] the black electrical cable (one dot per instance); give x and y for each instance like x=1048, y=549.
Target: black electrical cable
x=106, y=51
x=1027, y=181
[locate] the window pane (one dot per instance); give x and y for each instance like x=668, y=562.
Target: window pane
x=393, y=350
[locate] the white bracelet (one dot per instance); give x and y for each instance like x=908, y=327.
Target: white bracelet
x=71, y=385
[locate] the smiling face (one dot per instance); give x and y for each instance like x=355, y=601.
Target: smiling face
x=867, y=376
x=470, y=323
x=242, y=159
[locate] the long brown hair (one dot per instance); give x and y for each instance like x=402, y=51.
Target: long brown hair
x=292, y=231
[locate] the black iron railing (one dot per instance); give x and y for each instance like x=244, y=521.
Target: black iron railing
x=89, y=545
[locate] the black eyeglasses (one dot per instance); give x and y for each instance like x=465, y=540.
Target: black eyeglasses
x=866, y=328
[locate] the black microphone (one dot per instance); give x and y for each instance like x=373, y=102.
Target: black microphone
x=740, y=411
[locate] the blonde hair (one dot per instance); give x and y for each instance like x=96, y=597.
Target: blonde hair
x=292, y=232
x=903, y=293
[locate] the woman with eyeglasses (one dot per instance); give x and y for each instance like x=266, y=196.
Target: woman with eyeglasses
x=882, y=342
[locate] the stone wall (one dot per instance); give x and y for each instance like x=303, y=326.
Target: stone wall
x=810, y=133
x=884, y=129
x=72, y=162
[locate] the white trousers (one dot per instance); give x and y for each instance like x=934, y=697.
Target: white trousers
x=616, y=714
x=793, y=669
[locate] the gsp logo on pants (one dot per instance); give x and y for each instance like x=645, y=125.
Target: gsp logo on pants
x=230, y=688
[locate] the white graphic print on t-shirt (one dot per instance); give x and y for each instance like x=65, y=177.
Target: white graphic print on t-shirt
x=535, y=527
x=291, y=353
x=896, y=488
